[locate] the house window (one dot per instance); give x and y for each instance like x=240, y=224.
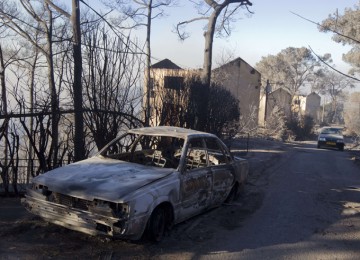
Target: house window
x=176, y=83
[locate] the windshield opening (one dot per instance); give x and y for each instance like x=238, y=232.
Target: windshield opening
x=331, y=131
x=160, y=151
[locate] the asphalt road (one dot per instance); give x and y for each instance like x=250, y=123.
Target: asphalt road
x=310, y=210
x=300, y=203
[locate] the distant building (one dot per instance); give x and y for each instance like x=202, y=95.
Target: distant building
x=298, y=105
x=307, y=105
x=166, y=87
x=244, y=83
x=168, y=96
x=312, y=108
x=279, y=99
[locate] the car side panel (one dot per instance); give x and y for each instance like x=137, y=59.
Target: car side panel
x=241, y=167
x=195, y=191
x=223, y=179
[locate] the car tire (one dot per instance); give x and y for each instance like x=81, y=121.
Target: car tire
x=318, y=146
x=341, y=148
x=234, y=193
x=157, y=225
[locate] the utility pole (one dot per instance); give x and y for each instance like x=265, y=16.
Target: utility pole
x=4, y=110
x=148, y=64
x=267, y=92
x=323, y=110
x=79, y=142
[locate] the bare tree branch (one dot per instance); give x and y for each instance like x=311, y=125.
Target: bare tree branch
x=57, y=8
x=183, y=35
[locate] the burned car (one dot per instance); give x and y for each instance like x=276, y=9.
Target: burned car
x=142, y=182
x=331, y=137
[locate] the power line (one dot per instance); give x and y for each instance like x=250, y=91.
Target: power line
x=69, y=39
x=338, y=71
x=113, y=29
x=327, y=28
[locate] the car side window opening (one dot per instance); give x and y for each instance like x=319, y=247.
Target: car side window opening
x=217, y=154
x=196, y=155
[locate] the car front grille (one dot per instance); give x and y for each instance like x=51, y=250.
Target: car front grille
x=70, y=201
x=331, y=139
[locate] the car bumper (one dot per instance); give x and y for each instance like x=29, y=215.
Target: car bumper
x=331, y=144
x=84, y=221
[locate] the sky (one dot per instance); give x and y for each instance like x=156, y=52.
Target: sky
x=271, y=28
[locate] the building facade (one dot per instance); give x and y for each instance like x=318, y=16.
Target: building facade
x=244, y=83
x=307, y=105
x=168, y=97
x=279, y=100
x=312, y=107
x=298, y=105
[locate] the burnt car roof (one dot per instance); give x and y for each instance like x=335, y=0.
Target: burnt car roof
x=172, y=131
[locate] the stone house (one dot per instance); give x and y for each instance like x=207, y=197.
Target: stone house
x=279, y=100
x=299, y=105
x=166, y=92
x=307, y=105
x=312, y=107
x=237, y=76
x=244, y=83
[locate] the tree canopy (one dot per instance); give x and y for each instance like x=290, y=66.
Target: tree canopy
x=291, y=68
x=347, y=32
x=333, y=85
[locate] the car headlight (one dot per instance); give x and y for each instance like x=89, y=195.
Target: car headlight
x=106, y=208
x=322, y=139
x=340, y=141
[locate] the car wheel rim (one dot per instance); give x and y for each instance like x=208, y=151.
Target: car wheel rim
x=157, y=225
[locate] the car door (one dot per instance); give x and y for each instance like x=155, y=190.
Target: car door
x=196, y=179
x=221, y=169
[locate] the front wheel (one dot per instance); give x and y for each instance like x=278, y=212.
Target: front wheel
x=157, y=224
x=234, y=193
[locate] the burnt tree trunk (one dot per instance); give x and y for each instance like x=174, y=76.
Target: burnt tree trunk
x=79, y=142
x=5, y=126
x=148, y=62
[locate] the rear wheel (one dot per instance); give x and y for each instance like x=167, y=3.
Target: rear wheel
x=234, y=193
x=157, y=224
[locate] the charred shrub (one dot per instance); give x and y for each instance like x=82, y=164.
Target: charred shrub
x=210, y=108
x=302, y=127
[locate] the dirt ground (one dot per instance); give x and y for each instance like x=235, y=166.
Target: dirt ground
x=24, y=236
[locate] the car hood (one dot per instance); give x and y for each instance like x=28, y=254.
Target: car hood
x=331, y=136
x=100, y=178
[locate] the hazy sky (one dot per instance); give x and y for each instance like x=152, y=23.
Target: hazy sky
x=269, y=30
